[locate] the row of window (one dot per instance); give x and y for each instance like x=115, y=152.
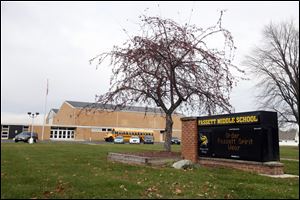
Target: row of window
x=101, y=129
x=62, y=128
x=131, y=133
x=4, y=132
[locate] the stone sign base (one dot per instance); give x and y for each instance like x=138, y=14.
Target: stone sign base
x=140, y=160
x=272, y=168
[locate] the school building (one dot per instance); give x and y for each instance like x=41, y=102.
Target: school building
x=83, y=121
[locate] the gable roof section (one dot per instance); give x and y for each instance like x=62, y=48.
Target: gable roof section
x=54, y=110
x=78, y=104
x=52, y=113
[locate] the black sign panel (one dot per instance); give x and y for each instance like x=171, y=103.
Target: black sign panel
x=238, y=143
x=245, y=136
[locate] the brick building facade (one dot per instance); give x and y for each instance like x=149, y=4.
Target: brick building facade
x=72, y=122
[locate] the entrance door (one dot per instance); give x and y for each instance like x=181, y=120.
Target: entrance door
x=162, y=136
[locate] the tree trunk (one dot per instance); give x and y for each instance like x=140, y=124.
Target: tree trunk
x=298, y=137
x=168, y=132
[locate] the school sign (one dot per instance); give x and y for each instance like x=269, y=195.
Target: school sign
x=249, y=136
x=245, y=136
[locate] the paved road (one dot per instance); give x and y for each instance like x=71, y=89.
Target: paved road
x=7, y=141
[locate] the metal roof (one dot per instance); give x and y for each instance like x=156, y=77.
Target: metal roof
x=54, y=110
x=78, y=104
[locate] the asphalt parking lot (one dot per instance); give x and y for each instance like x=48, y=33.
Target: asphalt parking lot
x=51, y=141
x=81, y=142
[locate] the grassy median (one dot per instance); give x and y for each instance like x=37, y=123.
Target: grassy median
x=73, y=170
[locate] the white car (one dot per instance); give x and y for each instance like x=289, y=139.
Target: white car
x=119, y=140
x=134, y=140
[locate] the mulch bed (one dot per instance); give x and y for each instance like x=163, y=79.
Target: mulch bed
x=160, y=154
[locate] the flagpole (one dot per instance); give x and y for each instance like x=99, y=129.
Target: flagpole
x=45, y=112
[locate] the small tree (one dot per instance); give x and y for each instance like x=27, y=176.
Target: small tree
x=170, y=65
x=276, y=62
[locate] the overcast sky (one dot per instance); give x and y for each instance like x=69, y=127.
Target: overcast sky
x=56, y=40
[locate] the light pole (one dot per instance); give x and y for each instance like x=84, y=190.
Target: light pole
x=32, y=115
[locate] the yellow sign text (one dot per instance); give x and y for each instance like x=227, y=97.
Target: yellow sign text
x=228, y=120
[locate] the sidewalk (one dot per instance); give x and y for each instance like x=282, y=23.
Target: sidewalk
x=290, y=159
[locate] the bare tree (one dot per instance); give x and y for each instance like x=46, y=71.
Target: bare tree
x=171, y=66
x=276, y=63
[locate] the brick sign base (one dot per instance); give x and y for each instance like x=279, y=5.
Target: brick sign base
x=272, y=168
x=189, y=150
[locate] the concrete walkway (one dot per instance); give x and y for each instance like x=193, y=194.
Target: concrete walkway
x=281, y=176
x=290, y=159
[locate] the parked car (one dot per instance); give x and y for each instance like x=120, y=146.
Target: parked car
x=134, y=140
x=148, y=139
x=175, y=140
x=119, y=140
x=24, y=136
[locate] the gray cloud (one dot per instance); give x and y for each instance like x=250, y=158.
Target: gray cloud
x=55, y=40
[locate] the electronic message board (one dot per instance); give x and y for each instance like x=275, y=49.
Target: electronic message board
x=245, y=136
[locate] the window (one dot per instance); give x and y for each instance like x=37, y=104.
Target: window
x=25, y=128
x=72, y=134
x=4, y=132
x=54, y=134
x=64, y=134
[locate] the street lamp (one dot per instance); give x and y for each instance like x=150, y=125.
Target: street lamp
x=32, y=115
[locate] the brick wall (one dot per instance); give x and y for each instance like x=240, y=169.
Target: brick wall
x=189, y=139
x=272, y=168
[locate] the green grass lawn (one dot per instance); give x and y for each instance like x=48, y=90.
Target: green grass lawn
x=68, y=170
x=289, y=152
